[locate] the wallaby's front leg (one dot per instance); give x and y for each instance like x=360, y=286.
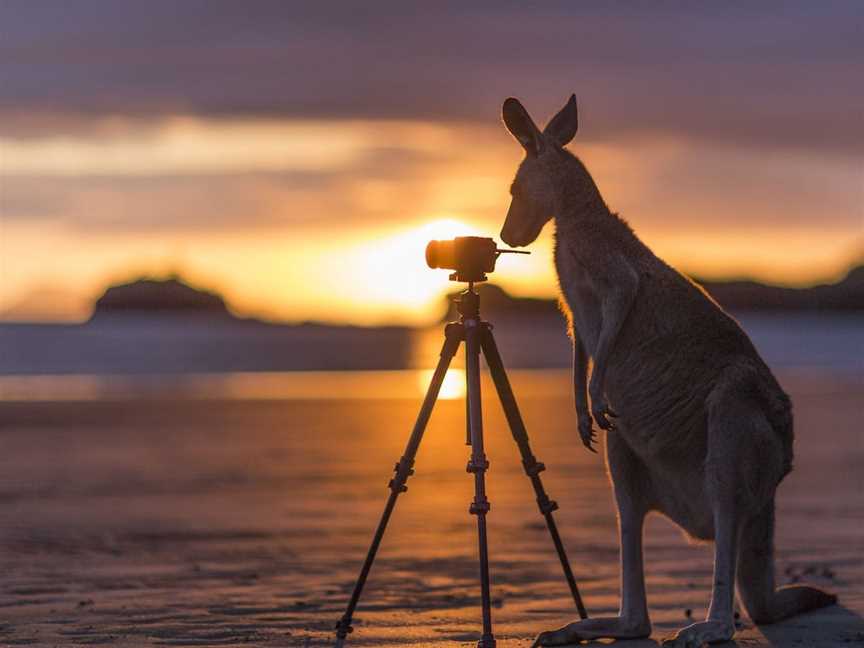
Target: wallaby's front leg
x=634, y=498
x=632, y=621
x=616, y=294
x=580, y=392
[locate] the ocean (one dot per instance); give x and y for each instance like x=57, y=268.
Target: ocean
x=194, y=358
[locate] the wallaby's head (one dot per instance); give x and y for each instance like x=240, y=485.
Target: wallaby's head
x=533, y=192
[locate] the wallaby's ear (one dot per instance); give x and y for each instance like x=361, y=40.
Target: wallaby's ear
x=562, y=128
x=521, y=126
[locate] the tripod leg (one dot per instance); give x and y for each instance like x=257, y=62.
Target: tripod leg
x=533, y=468
x=404, y=469
x=478, y=465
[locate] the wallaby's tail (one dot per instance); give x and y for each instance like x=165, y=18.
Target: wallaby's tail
x=756, y=576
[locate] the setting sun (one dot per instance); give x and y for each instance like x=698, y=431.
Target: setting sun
x=392, y=270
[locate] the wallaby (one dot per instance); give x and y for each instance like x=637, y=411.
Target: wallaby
x=697, y=427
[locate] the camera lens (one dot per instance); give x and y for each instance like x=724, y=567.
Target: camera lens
x=470, y=256
x=431, y=253
x=441, y=254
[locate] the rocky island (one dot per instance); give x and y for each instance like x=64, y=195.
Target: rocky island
x=160, y=297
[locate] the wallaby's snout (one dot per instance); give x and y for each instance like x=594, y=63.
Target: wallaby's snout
x=505, y=236
x=520, y=227
x=507, y=233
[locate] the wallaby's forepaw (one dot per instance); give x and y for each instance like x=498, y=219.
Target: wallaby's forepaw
x=698, y=634
x=601, y=412
x=594, y=628
x=586, y=431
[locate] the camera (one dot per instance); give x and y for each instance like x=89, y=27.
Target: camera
x=470, y=256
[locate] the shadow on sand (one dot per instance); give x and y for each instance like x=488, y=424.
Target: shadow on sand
x=827, y=627
x=834, y=624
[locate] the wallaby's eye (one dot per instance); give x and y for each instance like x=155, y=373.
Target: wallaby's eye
x=514, y=190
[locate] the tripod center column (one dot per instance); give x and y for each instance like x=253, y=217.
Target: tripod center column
x=469, y=308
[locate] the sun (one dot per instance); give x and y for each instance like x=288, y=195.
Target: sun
x=391, y=274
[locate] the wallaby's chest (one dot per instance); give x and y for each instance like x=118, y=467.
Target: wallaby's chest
x=580, y=294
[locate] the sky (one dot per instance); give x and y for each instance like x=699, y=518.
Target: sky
x=297, y=156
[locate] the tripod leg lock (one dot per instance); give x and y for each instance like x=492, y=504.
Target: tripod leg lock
x=455, y=331
x=480, y=465
x=546, y=505
x=533, y=467
x=479, y=507
x=403, y=472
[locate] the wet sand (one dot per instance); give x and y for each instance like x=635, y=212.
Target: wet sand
x=244, y=522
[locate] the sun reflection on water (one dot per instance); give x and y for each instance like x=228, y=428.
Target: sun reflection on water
x=453, y=386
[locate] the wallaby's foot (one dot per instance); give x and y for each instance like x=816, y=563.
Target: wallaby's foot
x=694, y=636
x=599, y=628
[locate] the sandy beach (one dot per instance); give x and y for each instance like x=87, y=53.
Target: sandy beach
x=241, y=521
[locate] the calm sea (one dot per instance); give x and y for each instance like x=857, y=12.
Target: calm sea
x=188, y=359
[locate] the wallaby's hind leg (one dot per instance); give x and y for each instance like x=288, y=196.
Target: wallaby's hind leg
x=743, y=466
x=631, y=495
x=764, y=604
x=720, y=623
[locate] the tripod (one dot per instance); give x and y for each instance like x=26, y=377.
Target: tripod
x=477, y=336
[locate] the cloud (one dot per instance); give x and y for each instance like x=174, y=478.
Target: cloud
x=213, y=175
x=760, y=75
x=375, y=173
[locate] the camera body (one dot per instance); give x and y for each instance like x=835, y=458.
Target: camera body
x=470, y=256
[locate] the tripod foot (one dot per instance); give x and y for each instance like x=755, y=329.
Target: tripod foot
x=343, y=629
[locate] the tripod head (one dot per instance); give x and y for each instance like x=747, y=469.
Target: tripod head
x=470, y=256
